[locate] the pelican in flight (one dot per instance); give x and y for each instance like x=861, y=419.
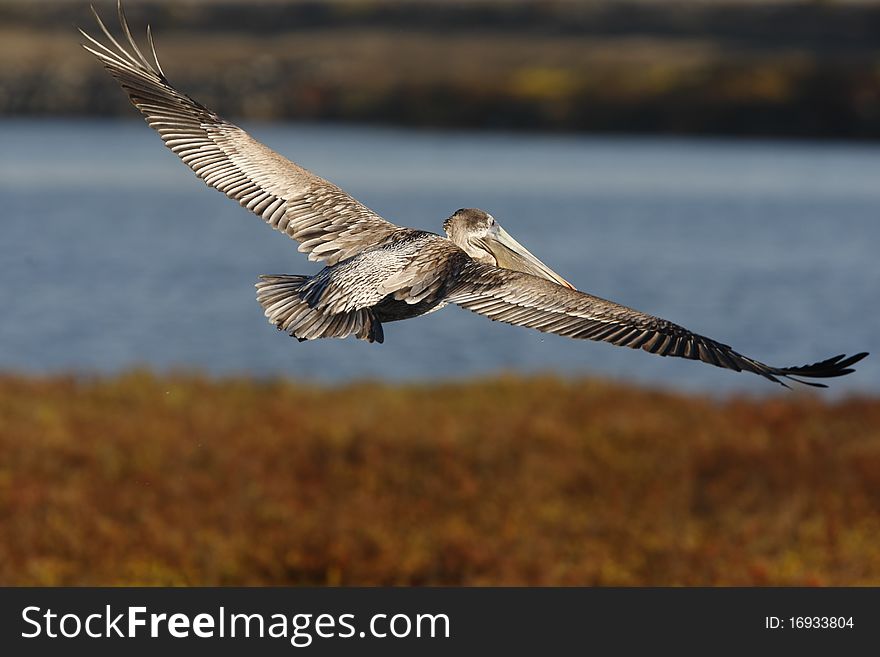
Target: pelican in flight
x=377, y=272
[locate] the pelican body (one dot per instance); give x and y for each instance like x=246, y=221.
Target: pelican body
x=407, y=274
x=376, y=272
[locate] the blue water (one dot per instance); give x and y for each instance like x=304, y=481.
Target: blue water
x=114, y=255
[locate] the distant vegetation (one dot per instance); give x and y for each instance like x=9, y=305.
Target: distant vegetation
x=142, y=479
x=743, y=68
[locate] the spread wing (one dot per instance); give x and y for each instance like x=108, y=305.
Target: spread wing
x=525, y=300
x=329, y=224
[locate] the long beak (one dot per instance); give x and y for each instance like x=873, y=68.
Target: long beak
x=510, y=254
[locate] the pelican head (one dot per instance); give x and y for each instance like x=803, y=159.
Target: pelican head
x=478, y=234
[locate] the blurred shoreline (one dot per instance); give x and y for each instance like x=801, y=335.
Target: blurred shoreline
x=788, y=69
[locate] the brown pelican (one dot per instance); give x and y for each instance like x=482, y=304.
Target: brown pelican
x=376, y=272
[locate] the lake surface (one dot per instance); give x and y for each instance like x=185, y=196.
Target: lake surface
x=114, y=255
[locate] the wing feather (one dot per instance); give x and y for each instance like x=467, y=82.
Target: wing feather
x=524, y=300
x=329, y=224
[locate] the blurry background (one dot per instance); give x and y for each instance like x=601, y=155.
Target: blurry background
x=714, y=163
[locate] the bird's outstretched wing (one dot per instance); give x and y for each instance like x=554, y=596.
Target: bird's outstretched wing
x=525, y=300
x=329, y=224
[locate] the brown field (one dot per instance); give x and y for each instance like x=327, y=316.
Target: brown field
x=185, y=480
